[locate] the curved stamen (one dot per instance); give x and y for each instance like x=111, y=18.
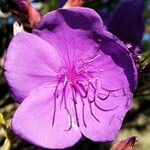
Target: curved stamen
x=91, y=101
x=119, y=94
x=55, y=97
x=76, y=114
x=102, y=98
x=110, y=109
x=83, y=91
x=83, y=116
x=54, y=113
x=94, y=92
x=70, y=118
x=63, y=97
x=65, y=104
x=110, y=90
x=57, y=86
x=91, y=60
x=74, y=94
x=90, y=105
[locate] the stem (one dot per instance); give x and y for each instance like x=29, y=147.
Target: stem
x=7, y=143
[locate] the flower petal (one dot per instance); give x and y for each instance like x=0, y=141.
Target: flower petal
x=124, y=72
x=127, y=22
x=104, y=117
x=113, y=64
x=72, y=32
x=30, y=62
x=33, y=121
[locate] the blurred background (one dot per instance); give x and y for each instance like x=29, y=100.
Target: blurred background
x=137, y=120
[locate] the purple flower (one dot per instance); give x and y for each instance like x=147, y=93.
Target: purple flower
x=72, y=78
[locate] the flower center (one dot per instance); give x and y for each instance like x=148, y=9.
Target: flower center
x=81, y=83
x=72, y=75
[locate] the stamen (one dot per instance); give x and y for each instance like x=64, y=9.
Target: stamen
x=91, y=60
x=111, y=109
x=102, y=98
x=74, y=94
x=94, y=92
x=90, y=105
x=54, y=110
x=82, y=92
x=121, y=92
x=76, y=114
x=70, y=118
x=63, y=97
x=83, y=106
x=55, y=97
x=110, y=90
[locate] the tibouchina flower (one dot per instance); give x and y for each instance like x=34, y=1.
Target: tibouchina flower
x=72, y=78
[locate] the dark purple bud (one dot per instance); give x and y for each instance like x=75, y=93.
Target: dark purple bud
x=126, y=21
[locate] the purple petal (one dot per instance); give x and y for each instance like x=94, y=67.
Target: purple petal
x=126, y=21
x=122, y=59
x=30, y=62
x=104, y=117
x=71, y=32
x=33, y=121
